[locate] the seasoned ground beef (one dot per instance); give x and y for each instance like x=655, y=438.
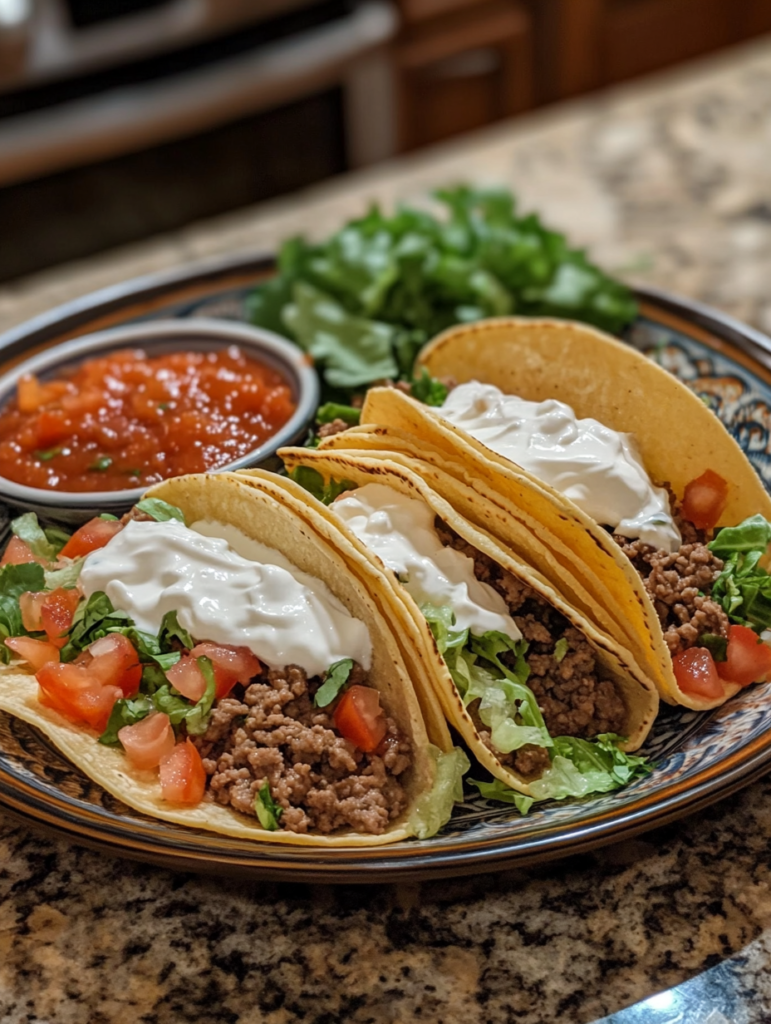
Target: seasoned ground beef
x=573, y=699
x=273, y=733
x=330, y=429
x=680, y=583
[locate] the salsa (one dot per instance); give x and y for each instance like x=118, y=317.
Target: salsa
x=129, y=420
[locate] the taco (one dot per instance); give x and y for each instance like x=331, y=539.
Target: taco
x=546, y=702
x=212, y=661
x=629, y=474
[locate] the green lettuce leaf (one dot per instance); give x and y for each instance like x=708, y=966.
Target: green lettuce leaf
x=16, y=580
x=313, y=482
x=433, y=809
x=43, y=543
x=170, y=702
x=580, y=767
x=171, y=630
x=268, y=811
x=497, y=790
x=66, y=577
x=331, y=411
x=334, y=680
x=161, y=511
x=125, y=711
x=442, y=623
x=351, y=350
x=92, y=620
x=428, y=389
x=743, y=588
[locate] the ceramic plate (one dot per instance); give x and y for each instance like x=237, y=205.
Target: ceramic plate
x=700, y=757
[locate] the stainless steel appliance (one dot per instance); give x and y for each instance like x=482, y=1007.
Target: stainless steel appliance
x=84, y=80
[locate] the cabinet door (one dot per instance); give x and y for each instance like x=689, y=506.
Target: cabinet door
x=463, y=71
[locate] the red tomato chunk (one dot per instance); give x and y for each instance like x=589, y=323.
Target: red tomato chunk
x=748, y=658
x=36, y=652
x=705, y=499
x=93, y=535
x=359, y=718
x=148, y=742
x=183, y=778
x=696, y=674
x=126, y=420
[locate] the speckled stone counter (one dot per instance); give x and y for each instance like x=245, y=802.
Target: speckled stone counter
x=668, y=182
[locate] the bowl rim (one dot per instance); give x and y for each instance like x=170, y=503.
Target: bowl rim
x=293, y=361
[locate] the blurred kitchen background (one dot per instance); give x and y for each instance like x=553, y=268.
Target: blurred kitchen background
x=120, y=119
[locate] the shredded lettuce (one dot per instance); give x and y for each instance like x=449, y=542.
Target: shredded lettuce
x=268, y=811
x=92, y=620
x=66, y=577
x=197, y=719
x=15, y=580
x=335, y=679
x=314, y=483
x=428, y=389
x=125, y=711
x=580, y=767
x=743, y=588
x=434, y=808
x=497, y=790
x=159, y=510
x=42, y=543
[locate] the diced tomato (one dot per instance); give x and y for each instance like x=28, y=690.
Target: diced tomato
x=231, y=665
x=183, y=778
x=32, y=394
x=187, y=677
x=748, y=658
x=696, y=674
x=72, y=690
x=115, y=662
x=359, y=718
x=31, y=607
x=705, y=499
x=36, y=652
x=148, y=741
x=19, y=553
x=95, y=534
x=56, y=612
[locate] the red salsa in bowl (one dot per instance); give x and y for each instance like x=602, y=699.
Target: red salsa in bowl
x=126, y=419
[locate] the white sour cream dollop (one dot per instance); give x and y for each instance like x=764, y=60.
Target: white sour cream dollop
x=598, y=468
x=401, y=532
x=228, y=589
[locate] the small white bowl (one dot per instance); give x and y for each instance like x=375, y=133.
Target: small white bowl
x=156, y=338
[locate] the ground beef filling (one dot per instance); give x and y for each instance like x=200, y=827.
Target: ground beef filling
x=270, y=731
x=573, y=699
x=680, y=583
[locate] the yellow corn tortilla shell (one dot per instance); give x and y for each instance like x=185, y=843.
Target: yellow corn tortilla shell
x=639, y=695
x=259, y=511
x=615, y=587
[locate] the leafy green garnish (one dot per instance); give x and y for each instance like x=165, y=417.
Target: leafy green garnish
x=754, y=534
x=497, y=790
x=364, y=301
x=66, y=577
x=101, y=464
x=171, y=630
x=125, y=711
x=197, y=719
x=171, y=704
x=161, y=511
x=560, y=649
x=743, y=588
x=313, y=482
x=433, y=809
x=268, y=811
x=42, y=543
x=92, y=620
x=48, y=454
x=334, y=680
x=15, y=580
x=580, y=767
x=716, y=645
x=441, y=621
x=109, y=517
x=331, y=411
x=428, y=389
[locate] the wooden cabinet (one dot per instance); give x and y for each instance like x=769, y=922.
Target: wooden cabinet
x=461, y=64
x=598, y=42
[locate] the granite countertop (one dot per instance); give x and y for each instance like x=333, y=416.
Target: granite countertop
x=668, y=182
